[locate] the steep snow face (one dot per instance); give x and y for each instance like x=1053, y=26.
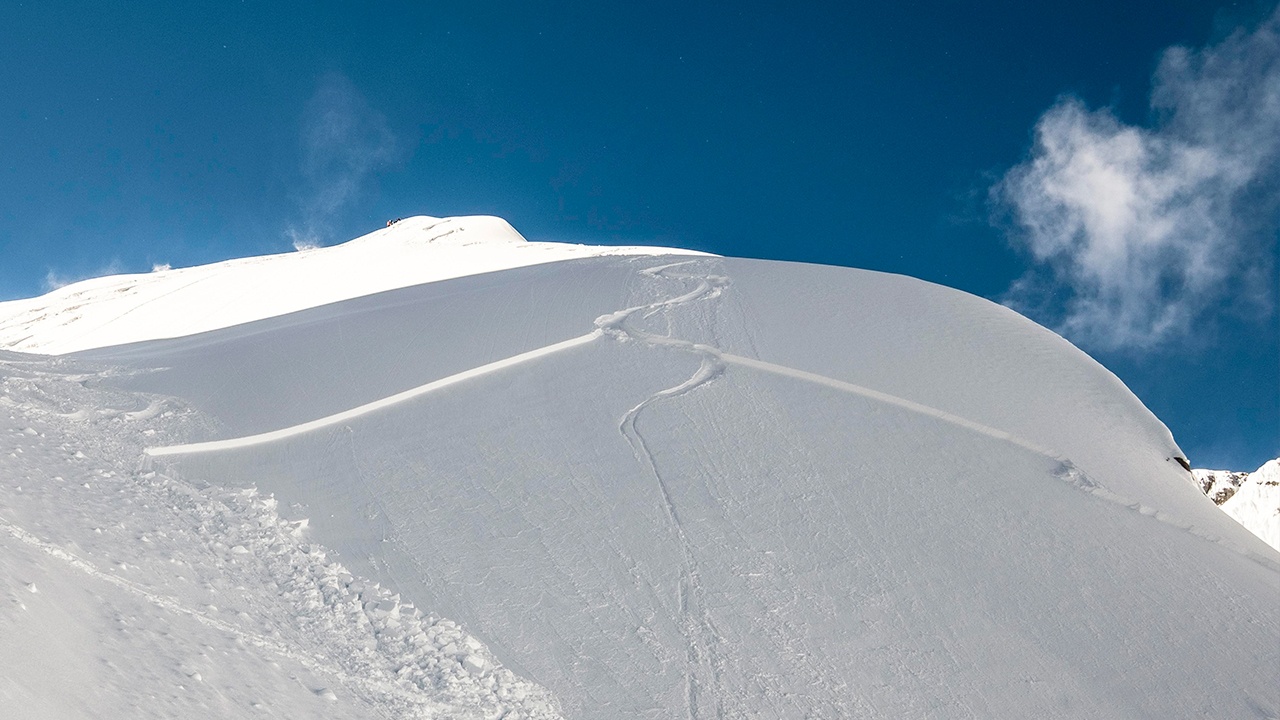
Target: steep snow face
x=702, y=487
x=1256, y=505
x=121, y=309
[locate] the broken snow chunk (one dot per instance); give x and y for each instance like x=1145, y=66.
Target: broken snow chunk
x=474, y=664
x=384, y=608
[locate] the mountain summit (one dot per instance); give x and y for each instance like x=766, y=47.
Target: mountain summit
x=166, y=303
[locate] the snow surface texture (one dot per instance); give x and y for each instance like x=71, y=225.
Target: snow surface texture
x=120, y=309
x=126, y=594
x=655, y=486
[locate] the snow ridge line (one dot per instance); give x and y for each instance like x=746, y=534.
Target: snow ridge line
x=346, y=415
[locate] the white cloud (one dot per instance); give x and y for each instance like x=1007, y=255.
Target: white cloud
x=344, y=142
x=1148, y=230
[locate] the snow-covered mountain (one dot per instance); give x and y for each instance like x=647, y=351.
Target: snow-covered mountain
x=1219, y=485
x=637, y=485
x=1254, y=501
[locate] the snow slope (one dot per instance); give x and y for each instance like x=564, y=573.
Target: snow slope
x=1256, y=505
x=647, y=487
x=713, y=487
x=127, y=594
x=120, y=309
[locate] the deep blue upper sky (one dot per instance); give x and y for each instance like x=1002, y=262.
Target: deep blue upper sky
x=863, y=134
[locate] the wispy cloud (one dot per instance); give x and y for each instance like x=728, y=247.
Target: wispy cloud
x=1139, y=233
x=345, y=142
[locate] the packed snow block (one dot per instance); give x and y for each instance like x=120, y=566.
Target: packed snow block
x=769, y=490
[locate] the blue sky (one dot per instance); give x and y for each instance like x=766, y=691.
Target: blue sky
x=1049, y=155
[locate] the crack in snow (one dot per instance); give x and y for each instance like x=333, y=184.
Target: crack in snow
x=347, y=415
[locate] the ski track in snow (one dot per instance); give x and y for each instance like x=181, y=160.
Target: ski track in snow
x=703, y=639
x=619, y=327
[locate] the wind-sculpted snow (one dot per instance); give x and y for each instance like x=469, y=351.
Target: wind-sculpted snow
x=722, y=488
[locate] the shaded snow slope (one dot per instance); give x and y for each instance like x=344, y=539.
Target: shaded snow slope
x=122, y=309
x=669, y=487
x=1256, y=505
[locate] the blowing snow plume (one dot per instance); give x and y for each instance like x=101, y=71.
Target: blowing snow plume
x=1149, y=229
x=344, y=141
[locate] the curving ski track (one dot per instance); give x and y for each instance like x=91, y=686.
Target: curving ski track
x=697, y=624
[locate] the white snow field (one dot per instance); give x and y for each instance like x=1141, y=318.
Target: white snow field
x=119, y=309
x=642, y=486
